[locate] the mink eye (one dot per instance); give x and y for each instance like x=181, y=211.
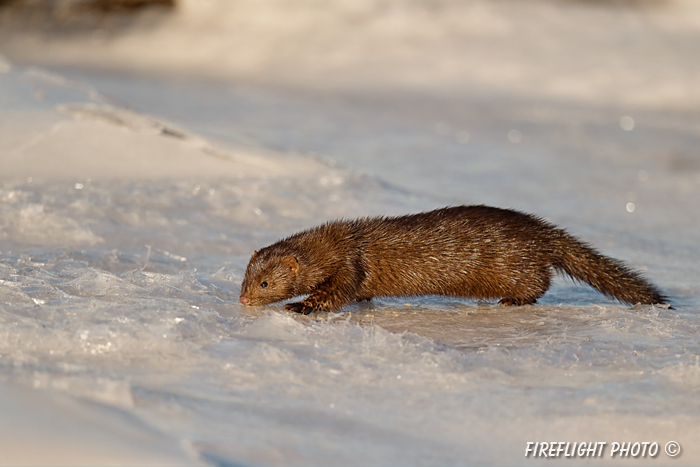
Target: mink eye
x=263, y=285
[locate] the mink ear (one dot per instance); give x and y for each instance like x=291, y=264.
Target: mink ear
x=291, y=263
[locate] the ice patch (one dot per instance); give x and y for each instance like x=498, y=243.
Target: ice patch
x=99, y=284
x=103, y=390
x=35, y=225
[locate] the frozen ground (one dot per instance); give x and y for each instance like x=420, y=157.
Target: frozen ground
x=131, y=202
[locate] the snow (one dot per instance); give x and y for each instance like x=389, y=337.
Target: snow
x=134, y=189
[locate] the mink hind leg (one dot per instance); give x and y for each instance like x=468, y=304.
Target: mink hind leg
x=528, y=290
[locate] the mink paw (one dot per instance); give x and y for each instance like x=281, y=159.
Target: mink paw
x=515, y=302
x=507, y=302
x=298, y=307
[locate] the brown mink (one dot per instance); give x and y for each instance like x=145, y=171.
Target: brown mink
x=464, y=251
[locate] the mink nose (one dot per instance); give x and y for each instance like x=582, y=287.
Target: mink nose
x=245, y=300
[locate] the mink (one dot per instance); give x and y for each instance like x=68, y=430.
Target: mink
x=477, y=252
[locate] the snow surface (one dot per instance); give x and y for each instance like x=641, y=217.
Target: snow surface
x=130, y=204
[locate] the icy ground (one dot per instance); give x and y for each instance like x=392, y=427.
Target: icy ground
x=129, y=209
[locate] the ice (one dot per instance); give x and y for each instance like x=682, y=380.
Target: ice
x=78, y=433
x=137, y=179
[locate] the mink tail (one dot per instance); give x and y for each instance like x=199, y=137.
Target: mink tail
x=607, y=275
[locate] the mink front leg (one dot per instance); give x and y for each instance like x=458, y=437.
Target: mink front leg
x=298, y=307
x=329, y=296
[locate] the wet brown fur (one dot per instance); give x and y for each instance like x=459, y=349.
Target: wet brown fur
x=477, y=252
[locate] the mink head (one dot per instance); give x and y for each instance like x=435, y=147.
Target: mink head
x=270, y=277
